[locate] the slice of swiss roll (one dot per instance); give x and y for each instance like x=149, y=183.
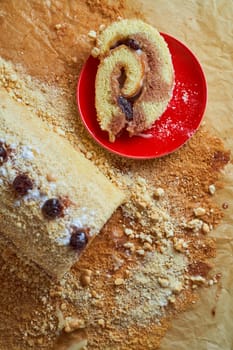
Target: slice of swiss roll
x=135, y=77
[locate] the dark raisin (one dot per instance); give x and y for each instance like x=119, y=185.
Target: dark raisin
x=22, y=184
x=3, y=153
x=126, y=107
x=52, y=208
x=133, y=44
x=78, y=239
x=225, y=205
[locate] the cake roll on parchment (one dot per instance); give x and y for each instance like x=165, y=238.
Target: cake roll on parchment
x=53, y=200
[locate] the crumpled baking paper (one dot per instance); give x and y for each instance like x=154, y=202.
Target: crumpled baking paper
x=206, y=28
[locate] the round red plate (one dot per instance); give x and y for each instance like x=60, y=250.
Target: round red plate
x=177, y=124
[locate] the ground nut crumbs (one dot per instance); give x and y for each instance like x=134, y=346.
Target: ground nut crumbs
x=95, y=52
x=119, y=281
x=101, y=322
x=92, y=34
x=152, y=301
x=102, y=27
x=212, y=189
x=195, y=225
x=129, y=245
x=34, y=309
x=72, y=324
x=128, y=231
x=51, y=178
x=197, y=279
x=140, y=251
x=147, y=246
x=180, y=244
x=163, y=282
x=176, y=287
x=172, y=299
x=85, y=280
x=199, y=211
x=205, y=228
x=159, y=192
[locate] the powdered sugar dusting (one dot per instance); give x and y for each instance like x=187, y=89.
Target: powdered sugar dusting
x=20, y=162
x=185, y=96
x=181, y=118
x=86, y=218
x=145, y=136
x=64, y=239
x=27, y=153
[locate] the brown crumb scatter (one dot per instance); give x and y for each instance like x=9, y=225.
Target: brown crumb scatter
x=153, y=253
x=199, y=268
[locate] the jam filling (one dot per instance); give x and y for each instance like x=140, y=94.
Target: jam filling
x=22, y=184
x=126, y=107
x=126, y=104
x=131, y=43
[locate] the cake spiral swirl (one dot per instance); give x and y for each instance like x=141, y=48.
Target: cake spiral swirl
x=135, y=77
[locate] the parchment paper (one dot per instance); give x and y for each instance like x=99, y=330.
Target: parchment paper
x=206, y=28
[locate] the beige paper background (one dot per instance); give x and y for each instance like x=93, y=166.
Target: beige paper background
x=206, y=28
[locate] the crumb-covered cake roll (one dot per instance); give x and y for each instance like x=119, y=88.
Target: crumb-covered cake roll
x=135, y=77
x=53, y=200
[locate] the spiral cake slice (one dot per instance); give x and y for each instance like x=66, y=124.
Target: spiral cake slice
x=135, y=77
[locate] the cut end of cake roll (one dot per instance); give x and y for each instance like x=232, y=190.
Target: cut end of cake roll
x=135, y=77
x=54, y=201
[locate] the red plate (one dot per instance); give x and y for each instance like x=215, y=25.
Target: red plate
x=177, y=124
